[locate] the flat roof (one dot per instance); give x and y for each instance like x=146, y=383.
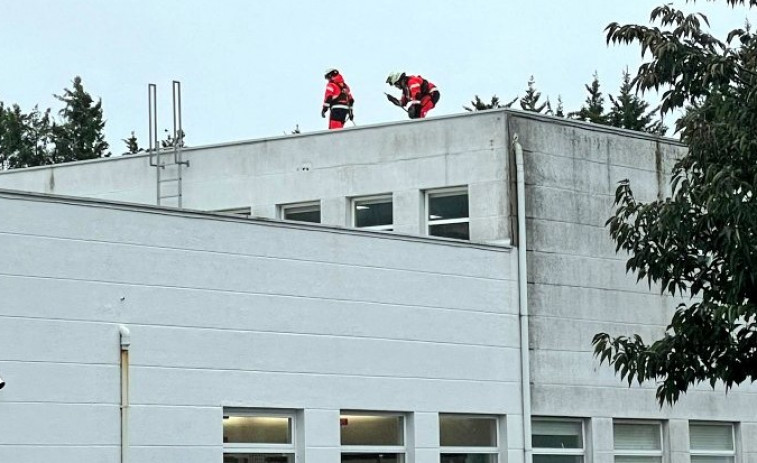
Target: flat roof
x=517, y=113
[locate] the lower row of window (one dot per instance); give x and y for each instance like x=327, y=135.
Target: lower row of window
x=364, y=437
x=255, y=437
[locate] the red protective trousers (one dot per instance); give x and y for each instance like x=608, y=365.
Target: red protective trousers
x=335, y=124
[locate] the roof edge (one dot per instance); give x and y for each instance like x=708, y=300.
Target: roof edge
x=220, y=217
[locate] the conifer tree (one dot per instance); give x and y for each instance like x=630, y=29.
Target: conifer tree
x=530, y=101
x=560, y=110
x=132, y=146
x=593, y=109
x=478, y=105
x=80, y=133
x=628, y=111
x=24, y=138
x=170, y=141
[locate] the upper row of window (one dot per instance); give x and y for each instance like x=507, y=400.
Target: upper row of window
x=446, y=212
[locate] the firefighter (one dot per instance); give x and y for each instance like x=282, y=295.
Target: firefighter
x=418, y=94
x=338, y=100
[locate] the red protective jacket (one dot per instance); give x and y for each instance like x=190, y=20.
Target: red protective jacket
x=414, y=89
x=338, y=94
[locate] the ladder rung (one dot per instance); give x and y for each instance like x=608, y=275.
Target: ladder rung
x=170, y=196
x=169, y=180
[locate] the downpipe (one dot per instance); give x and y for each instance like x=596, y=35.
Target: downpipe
x=125, y=341
x=525, y=360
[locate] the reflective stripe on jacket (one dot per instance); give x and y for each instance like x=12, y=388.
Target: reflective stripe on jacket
x=338, y=94
x=416, y=88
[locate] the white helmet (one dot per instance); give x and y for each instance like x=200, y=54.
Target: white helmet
x=394, y=77
x=329, y=72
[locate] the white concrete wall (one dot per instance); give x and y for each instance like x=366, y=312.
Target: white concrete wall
x=229, y=312
x=403, y=159
x=578, y=285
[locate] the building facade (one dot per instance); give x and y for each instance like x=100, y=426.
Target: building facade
x=399, y=327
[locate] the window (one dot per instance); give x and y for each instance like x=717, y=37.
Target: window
x=372, y=437
x=637, y=442
x=557, y=440
x=373, y=213
x=711, y=443
x=448, y=213
x=468, y=439
x=241, y=211
x=310, y=212
x=258, y=437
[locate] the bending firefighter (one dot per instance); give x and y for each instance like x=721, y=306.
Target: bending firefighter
x=338, y=100
x=418, y=94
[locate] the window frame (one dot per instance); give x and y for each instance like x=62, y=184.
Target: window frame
x=375, y=199
x=283, y=208
x=561, y=451
x=641, y=453
x=251, y=448
x=397, y=449
x=442, y=192
x=457, y=450
x=714, y=453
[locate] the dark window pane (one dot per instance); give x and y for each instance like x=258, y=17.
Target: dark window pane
x=558, y=459
x=373, y=213
x=556, y=442
x=458, y=231
x=466, y=431
x=303, y=214
x=468, y=458
x=257, y=430
x=258, y=458
x=371, y=430
x=636, y=459
x=557, y=434
x=448, y=207
x=372, y=458
x=711, y=459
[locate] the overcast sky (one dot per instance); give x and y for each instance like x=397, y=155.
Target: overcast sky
x=253, y=69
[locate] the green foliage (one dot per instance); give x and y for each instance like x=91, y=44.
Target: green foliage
x=24, y=138
x=80, y=133
x=560, y=110
x=36, y=139
x=132, y=145
x=478, y=105
x=629, y=111
x=593, y=109
x=702, y=242
x=530, y=101
x=170, y=141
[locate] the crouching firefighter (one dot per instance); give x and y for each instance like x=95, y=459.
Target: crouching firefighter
x=338, y=100
x=418, y=94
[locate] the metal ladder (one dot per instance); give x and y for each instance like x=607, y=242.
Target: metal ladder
x=167, y=161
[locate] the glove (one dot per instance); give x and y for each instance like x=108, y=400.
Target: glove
x=323, y=111
x=352, y=115
x=391, y=98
